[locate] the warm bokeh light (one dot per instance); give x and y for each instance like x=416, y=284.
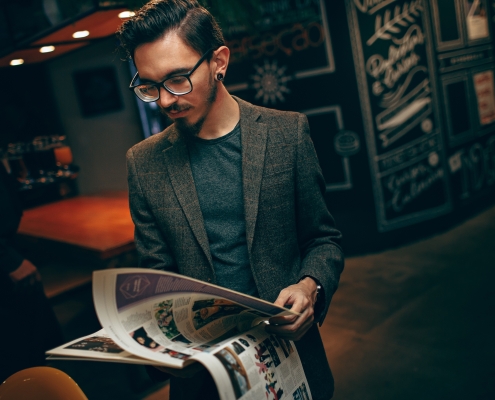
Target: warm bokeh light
x=63, y=155
x=127, y=14
x=18, y=61
x=47, y=49
x=80, y=34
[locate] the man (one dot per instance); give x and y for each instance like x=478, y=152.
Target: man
x=230, y=193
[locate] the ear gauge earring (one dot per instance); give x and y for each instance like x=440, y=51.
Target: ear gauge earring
x=220, y=77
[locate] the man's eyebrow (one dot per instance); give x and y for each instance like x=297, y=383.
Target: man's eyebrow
x=175, y=72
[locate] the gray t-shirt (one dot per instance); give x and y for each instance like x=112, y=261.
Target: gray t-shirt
x=217, y=170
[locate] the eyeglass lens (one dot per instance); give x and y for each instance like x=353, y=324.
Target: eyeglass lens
x=176, y=85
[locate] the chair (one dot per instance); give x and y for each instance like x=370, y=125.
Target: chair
x=40, y=383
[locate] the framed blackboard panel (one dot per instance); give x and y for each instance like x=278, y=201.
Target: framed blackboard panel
x=472, y=168
x=458, y=111
x=291, y=42
x=327, y=126
x=393, y=57
x=460, y=23
x=447, y=18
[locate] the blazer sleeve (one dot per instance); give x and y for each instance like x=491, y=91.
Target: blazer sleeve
x=152, y=248
x=319, y=240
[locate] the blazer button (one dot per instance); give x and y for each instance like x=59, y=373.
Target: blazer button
x=209, y=279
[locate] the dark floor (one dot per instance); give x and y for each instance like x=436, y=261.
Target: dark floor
x=417, y=322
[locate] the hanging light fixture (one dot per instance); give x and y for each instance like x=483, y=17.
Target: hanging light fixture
x=127, y=14
x=47, y=49
x=80, y=34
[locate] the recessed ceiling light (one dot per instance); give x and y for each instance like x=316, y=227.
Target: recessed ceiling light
x=17, y=61
x=80, y=34
x=47, y=49
x=127, y=14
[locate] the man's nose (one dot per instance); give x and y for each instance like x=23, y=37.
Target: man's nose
x=166, y=98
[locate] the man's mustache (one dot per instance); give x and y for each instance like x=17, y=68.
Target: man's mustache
x=175, y=107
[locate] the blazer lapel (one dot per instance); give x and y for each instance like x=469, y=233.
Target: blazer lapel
x=179, y=168
x=253, y=138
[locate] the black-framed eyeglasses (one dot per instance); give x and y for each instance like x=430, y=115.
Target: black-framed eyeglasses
x=177, y=85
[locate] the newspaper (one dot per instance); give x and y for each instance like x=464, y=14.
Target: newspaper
x=164, y=319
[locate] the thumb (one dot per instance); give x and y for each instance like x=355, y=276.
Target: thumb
x=283, y=299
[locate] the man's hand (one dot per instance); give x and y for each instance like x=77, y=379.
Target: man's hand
x=302, y=298
x=26, y=274
x=187, y=372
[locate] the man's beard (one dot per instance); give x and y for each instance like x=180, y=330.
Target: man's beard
x=187, y=129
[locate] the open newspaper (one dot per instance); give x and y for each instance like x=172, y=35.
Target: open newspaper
x=159, y=318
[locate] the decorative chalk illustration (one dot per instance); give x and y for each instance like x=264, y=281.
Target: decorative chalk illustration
x=397, y=90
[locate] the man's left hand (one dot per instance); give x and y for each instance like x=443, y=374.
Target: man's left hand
x=301, y=298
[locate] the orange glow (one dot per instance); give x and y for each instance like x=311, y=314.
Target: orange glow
x=63, y=155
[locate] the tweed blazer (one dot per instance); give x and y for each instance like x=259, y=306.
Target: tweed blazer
x=289, y=231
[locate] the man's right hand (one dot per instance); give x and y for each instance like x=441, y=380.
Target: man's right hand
x=187, y=372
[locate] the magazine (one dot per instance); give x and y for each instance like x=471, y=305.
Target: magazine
x=160, y=318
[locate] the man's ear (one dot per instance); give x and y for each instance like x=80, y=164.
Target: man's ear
x=220, y=59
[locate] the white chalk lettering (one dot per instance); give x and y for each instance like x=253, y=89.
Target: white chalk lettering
x=408, y=185
x=401, y=59
x=477, y=167
x=392, y=23
x=371, y=6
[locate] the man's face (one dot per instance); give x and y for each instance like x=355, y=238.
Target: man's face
x=170, y=56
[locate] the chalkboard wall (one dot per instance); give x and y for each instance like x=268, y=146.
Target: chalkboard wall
x=400, y=98
x=401, y=102
x=426, y=68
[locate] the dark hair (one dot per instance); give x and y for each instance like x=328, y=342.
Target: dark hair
x=192, y=22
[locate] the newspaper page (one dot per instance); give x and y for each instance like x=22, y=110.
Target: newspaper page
x=251, y=365
x=95, y=347
x=258, y=366
x=174, y=321
x=168, y=318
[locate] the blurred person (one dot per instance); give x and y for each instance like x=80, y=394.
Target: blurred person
x=230, y=193
x=28, y=324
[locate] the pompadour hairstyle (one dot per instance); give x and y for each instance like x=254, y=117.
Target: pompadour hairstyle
x=192, y=22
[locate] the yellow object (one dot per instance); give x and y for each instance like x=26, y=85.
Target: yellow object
x=40, y=383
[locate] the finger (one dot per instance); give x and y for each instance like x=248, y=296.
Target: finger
x=299, y=303
x=292, y=297
x=283, y=320
x=282, y=298
x=289, y=329
x=291, y=332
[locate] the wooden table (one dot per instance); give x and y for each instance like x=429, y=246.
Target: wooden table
x=101, y=224
x=82, y=234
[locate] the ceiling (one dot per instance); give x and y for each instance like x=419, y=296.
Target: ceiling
x=100, y=24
